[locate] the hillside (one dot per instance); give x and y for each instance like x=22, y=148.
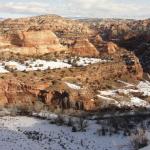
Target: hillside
x=133, y=35
x=74, y=84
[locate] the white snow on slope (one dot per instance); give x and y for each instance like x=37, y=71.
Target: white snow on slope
x=147, y=147
x=108, y=100
x=87, y=61
x=144, y=86
x=73, y=86
x=126, y=83
x=38, y=64
x=114, y=92
x=3, y=70
x=17, y=65
x=108, y=92
x=24, y=133
x=44, y=65
x=138, y=102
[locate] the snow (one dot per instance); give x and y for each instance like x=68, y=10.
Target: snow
x=144, y=86
x=45, y=114
x=126, y=83
x=44, y=65
x=3, y=70
x=114, y=92
x=127, y=91
x=147, y=147
x=39, y=64
x=87, y=61
x=20, y=133
x=108, y=92
x=138, y=102
x=84, y=61
x=17, y=65
x=107, y=99
x=73, y=86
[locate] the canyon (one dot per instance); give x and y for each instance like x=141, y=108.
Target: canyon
x=125, y=56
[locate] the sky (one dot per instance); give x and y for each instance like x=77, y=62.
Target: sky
x=137, y=9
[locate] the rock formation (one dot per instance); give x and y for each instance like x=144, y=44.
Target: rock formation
x=82, y=47
x=130, y=34
x=31, y=43
x=47, y=34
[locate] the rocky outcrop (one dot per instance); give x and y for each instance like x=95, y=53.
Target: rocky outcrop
x=52, y=90
x=141, y=47
x=83, y=47
x=134, y=35
x=46, y=34
x=32, y=43
x=108, y=48
x=133, y=65
x=35, y=38
x=18, y=94
x=40, y=35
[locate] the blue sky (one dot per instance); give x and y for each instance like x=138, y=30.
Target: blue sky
x=138, y=9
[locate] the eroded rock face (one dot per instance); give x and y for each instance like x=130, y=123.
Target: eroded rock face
x=21, y=91
x=83, y=47
x=15, y=93
x=35, y=38
x=134, y=35
x=41, y=35
x=108, y=48
x=32, y=43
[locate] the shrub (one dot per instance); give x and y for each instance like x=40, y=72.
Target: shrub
x=70, y=122
x=60, y=120
x=139, y=140
x=82, y=124
x=74, y=129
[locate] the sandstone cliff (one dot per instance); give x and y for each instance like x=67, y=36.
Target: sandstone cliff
x=130, y=34
x=82, y=47
x=48, y=34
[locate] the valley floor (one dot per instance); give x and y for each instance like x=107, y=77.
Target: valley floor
x=25, y=133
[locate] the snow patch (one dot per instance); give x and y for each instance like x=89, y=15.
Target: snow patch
x=3, y=70
x=126, y=83
x=73, y=86
x=138, y=102
x=144, y=86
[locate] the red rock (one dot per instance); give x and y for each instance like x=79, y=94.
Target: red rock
x=83, y=47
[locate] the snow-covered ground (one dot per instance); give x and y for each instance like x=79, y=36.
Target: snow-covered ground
x=25, y=133
x=126, y=96
x=3, y=70
x=38, y=64
x=84, y=61
x=144, y=86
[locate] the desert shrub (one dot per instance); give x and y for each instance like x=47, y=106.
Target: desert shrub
x=74, y=129
x=26, y=64
x=60, y=120
x=70, y=122
x=139, y=139
x=40, y=65
x=34, y=73
x=82, y=124
x=2, y=77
